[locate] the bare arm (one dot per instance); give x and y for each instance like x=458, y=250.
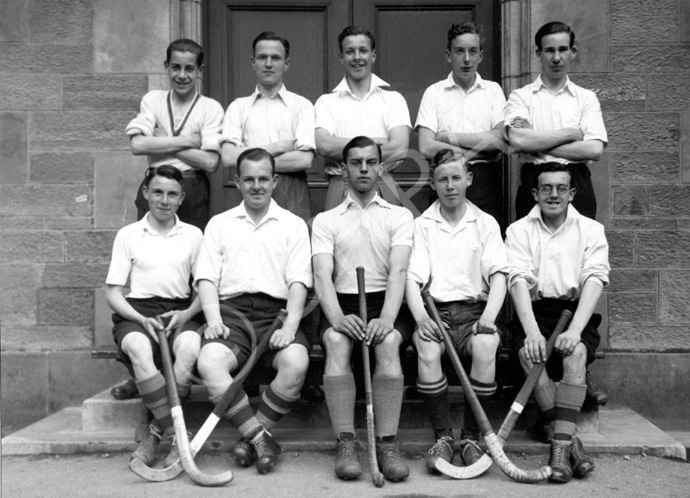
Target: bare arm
x=535, y=344
x=293, y=161
x=427, y=328
x=430, y=143
x=208, y=295
x=284, y=336
x=163, y=144
x=586, y=150
x=497, y=294
x=530, y=140
x=397, y=145
x=486, y=141
x=591, y=292
x=119, y=305
x=205, y=160
x=329, y=145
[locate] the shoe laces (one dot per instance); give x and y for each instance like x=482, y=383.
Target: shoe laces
x=261, y=444
x=558, y=453
x=390, y=450
x=173, y=438
x=443, y=445
x=347, y=448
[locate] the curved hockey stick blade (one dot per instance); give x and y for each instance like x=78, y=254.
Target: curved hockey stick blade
x=475, y=470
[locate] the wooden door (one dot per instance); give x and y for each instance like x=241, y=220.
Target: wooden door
x=410, y=47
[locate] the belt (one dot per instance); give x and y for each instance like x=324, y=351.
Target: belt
x=190, y=173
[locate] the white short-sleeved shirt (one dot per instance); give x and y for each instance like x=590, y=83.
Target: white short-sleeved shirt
x=344, y=115
x=458, y=260
x=156, y=265
x=204, y=118
x=257, y=120
x=447, y=107
x=571, y=107
x=357, y=236
x=241, y=257
x=557, y=265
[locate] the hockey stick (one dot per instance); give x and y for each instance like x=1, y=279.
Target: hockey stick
x=515, y=409
x=165, y=474
x=376, y=475
x=492, y=442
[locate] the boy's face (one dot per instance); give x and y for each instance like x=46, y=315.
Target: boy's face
x=357, y=57
x=256, y=183
x=164, y=196
x=363, y=168
x=553, y=194
x=556, y=55
x=450, y=181
x=183, y=72
x=464, y=56
x=269, y=62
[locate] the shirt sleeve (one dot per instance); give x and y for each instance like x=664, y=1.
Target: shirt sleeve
x=516, y=107
x=419, y=269
x=298, y=267
x=427, y=116
x=304, y=133
x=520, y=258
x=120, y=261
x=596, y=259
x=211, y=126
x=592, y=122
x=402, y=233
x=494, y=254
x=324, y=115
x=231, y=129
x=145, y=122
x=398, y=113
x=498, y=106
x=210, y=260
x=322, y=240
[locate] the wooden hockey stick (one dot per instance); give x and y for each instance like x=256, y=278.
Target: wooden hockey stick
x=490, y=438
x=376, y=475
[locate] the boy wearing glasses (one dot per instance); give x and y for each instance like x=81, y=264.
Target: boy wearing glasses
x=559, y=261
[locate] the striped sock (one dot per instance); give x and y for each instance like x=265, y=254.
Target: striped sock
x=340, y=400
x=240, y=414
x=545, y=396
x=484, y=392
x=387, y=394
x=435, y=396
x=569, y=399
x=155, y=397
x=275, y=404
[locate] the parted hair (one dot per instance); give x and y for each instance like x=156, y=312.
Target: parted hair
x=354, y=31
x=464, y=28
x=185, y=45
x=359, y=143
x=271, y=36
x=552, y=28
x=552, y=167
x=254, y=155
x=164, y=170
x=445, y=156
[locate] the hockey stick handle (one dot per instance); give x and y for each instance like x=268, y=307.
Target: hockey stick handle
x=376, y=475
x=492, y=442
x=532, y=378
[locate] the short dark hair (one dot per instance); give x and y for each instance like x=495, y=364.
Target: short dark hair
x=445, y=156
x=185, y=45
x=354, y=31
x=361, y=142
x=552, y=167
x=552, y=28
x=464, y=28
x=254, y=155
x=164, y=170
x=271, y=36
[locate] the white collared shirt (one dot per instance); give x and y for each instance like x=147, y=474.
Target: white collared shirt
x=344, y=115
x=241, y=257
x=557, y=265
x=156, y=265
x=357, y=236
x=204, y=119
x=571, y=107
x=257, y=120
x=458, y=260
x=447, y=107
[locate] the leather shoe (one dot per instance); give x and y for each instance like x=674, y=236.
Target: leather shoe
x=243, y=453
x=561, y=472
x=347, y=464
x=267, y=451
x=443, y=449
x=581, y=463
x=470, y=451
x=126, y=390
x=391, y=465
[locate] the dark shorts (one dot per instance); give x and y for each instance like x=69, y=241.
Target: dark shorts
x=486, y=191
x=150, y=307
x=257, y=312
x=292, y=193
x=585, y=201
x=349, y=303
x=547, y=313
x=194, y=208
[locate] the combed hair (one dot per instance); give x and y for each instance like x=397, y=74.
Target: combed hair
x=464, y=28
x=185, y=45
x=444, y=156
x=271, y=36
x=361, y=142
x=552, y=167
x=354, y=31
x=552, y=28
x=164, y=170
x=255, y=154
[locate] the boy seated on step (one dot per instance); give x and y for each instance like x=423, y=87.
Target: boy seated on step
x=459, y=255
x=559, y=261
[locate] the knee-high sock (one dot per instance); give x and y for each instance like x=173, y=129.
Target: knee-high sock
x=387, y=394
x=569, y=399
x=240, y=414
x=484, y=392
x=545, y=396
x=435, y=396
x=155, y=397
x=340, y=399
x=275, y=404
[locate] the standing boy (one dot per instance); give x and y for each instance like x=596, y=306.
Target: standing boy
x=554, y=120
x=458, y=253
x=364, y=230
x=279, y=121
x=560, y=261
x=359, y=106
x=464, y=113
x=256, y=259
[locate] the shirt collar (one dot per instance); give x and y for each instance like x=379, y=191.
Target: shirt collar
x=146, y=226
x=282, y=93
x=535, y=215
x=539, y=83
x=434, y=212
x=274, y=212
x=449, y=83
x=376, y=83
x=349, y=201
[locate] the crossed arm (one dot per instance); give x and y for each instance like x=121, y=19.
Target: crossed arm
x=469, y=144
x=393, y=148
x=288, y=160
x=186, y=148
x=566, y=143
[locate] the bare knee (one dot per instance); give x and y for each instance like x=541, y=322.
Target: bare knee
x=187, y=347
x=292, y=364
x=575, y=365
x=338, y=349
x=428, y=352
x=484, y=347
x=388, y=355
x=138, y=349
x=215, y=358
